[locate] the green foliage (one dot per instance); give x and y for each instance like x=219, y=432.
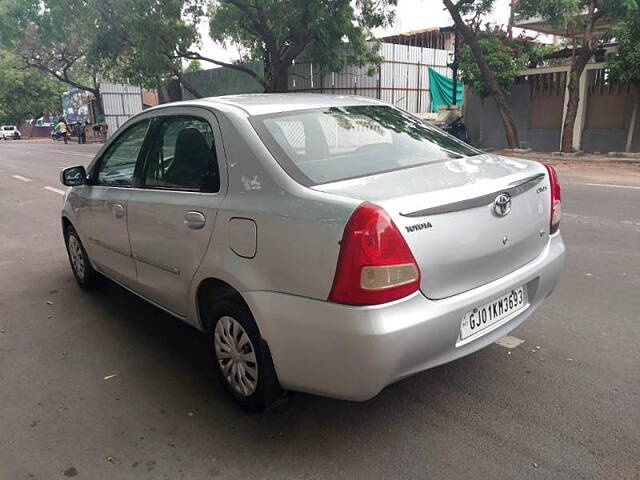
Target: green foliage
x=144, y=41
x=25, y=93
x=330, y=33
x=477, y=8
x=139, y=40
x=505, y=58
x=45, y=35
x=194, y=66
x=80, y=41
x=625, y=62
x=559, y=12
x=572, y=15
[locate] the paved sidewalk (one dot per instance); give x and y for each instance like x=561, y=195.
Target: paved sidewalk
x=621, y=157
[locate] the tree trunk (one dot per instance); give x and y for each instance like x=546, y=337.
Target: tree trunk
x=98, y=98
x=163, y=92
x=277, y=79
x=489, y=78
x=633, y=121
x=573, y=87
x=510, y=131
x=578, y=66
x=481, y=135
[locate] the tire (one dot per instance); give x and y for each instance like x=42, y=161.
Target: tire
x=81, y=267
x=238, y=363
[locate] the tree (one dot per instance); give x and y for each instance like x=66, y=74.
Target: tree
x=81, y=42
x=469, y=33
x=46, y=37
x=144, y=40
x=580, y=19
x=624, y=65
x=505, y=57
x=25, y=93
x=331, y=33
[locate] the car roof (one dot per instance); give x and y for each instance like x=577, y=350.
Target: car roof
x=267, y=103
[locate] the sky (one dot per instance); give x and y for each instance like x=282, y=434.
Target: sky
x=410, y=15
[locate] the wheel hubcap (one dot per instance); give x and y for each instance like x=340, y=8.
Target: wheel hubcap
x=236, y=356
x=76, y=256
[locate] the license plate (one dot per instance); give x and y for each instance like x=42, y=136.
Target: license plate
x=486, y=315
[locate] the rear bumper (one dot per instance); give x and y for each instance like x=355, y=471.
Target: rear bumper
x=354, y=352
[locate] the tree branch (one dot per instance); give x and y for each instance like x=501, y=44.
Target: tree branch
x=109, y=17
x=63, y=77
x=259, y=23
x=241, y=68
x=461, y=3
x=296, y=47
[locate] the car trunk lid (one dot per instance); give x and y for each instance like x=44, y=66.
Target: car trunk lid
x=447, y=213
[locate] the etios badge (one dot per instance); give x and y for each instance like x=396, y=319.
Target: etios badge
x=502, y=205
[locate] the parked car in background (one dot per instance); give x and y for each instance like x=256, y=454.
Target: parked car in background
x=10, y=132
x=326, y=244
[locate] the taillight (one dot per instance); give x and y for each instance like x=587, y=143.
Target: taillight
x=375, y=264
x=556, y=199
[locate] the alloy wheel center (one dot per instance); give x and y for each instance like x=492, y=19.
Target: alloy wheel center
x=236, y=356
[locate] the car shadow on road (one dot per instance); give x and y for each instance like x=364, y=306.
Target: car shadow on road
x=174, y=374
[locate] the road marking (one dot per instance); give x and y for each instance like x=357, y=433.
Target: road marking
x=509, y=342
x=611, y=185
x=89, y=155
x=54, y=190
x=20, y=177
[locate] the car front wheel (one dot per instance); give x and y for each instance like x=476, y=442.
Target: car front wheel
x=84, y=273
x=242, y=360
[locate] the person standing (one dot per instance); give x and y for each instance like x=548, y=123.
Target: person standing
x=78, y=130
x=63, y=128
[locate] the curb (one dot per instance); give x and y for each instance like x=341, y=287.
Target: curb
x=611, y=157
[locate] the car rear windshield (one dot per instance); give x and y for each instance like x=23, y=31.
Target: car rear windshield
x=339, y=143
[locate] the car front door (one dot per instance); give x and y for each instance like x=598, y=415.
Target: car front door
x=104, y=206
x=172, y=212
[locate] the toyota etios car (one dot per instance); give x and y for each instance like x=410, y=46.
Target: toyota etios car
x=327, y=244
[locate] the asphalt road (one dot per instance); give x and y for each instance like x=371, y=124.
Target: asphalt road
x=102, y=385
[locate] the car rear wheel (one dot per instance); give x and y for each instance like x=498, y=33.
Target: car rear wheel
x=241, y=357
x=84, y=273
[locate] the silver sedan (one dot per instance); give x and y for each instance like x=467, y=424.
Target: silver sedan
x=326, y=244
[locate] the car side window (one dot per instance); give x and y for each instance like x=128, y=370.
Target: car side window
x=183, y=157
x=119, y=161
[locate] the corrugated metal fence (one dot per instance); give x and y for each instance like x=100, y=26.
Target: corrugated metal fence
x=401, y=80
x=120, y=102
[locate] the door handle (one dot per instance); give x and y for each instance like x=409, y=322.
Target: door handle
x=117, y=209
x=194, y=220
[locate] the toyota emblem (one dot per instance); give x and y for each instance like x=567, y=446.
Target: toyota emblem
x=502, y=204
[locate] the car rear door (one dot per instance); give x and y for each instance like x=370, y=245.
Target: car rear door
x=103, y=209
x=172, y=213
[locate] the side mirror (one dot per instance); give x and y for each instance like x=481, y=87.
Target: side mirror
x=73, y=176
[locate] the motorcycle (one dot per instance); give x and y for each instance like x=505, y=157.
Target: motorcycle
x=56, y=135
x=456, y=127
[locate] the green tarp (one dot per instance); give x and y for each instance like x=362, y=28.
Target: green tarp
x=440, y=90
